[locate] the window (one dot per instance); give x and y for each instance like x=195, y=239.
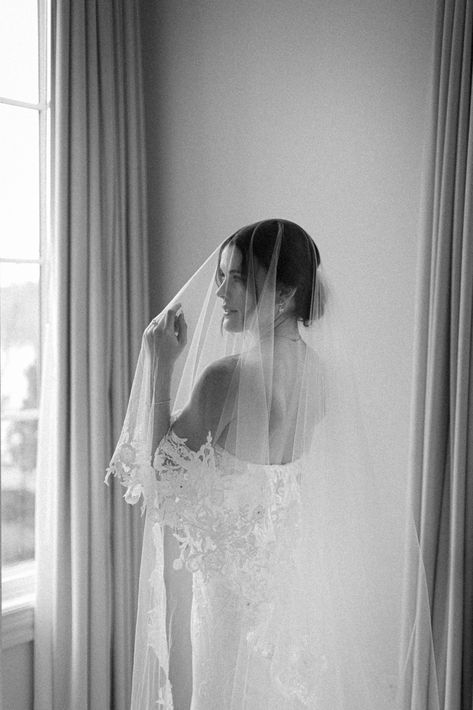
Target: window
x=24, y=120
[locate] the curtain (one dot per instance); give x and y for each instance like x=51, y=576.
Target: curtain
x=88, y=542
x=441, y=454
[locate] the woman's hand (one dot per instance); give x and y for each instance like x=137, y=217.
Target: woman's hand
x=166, y=335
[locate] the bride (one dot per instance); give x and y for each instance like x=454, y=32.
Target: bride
x=273, y=558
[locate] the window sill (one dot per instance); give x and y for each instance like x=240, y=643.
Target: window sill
x=18, y=597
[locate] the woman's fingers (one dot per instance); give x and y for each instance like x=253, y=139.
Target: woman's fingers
x=167, y=328
x=166, y=318
x=182, y=329
x=152, y=325
x=170, y=317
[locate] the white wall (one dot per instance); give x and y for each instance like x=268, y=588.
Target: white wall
x=308, y=110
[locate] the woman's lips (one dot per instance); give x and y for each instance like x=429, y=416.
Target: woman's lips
x=227, y=311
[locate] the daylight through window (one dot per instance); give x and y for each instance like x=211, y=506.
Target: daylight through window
x=23, y=180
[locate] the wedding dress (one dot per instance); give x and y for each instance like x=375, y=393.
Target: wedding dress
x=308, y=588
x=235, y=522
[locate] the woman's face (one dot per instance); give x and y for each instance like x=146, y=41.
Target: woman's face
x=232, y=290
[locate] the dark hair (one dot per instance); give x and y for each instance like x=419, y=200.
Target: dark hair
x=298, y=261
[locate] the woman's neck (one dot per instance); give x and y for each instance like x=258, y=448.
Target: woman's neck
x=285, y=327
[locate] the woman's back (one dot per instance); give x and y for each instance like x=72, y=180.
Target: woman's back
x=251, y=404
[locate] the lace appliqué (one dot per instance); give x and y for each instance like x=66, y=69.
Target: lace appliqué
x=237, y=523
x=131, y=464
x=226, y=515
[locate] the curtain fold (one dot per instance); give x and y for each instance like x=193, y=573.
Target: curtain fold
x=88, y=544
x=441, y=455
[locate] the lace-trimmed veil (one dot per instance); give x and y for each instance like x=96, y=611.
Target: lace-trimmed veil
x=342, y=621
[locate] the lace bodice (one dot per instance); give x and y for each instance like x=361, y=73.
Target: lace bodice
x=230, y=517
x=238, y=525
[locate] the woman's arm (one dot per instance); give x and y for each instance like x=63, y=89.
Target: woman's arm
x=209, y=407
x=161, y=403
x=165, y=338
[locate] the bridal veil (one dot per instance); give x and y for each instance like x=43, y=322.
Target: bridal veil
x=340, y=590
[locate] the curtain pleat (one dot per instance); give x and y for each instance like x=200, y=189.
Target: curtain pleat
x=442, y=417
x=88, y=542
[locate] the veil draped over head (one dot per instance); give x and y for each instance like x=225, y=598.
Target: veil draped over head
x=315, y=541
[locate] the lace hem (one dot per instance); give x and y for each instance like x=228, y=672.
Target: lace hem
x=131, y=464
x=235, y=521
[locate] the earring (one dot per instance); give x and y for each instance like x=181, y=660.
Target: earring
x=281, y=307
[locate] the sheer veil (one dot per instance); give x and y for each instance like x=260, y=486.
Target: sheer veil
x=339, y=594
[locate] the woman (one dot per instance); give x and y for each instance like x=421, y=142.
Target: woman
x=272, y=559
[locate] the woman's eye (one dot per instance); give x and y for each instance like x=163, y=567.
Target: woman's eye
x=237, y=277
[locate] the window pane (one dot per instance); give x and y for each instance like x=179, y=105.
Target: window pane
x=19, y=50
x=18, y=490
x=19, y=181
x=19, y=334
x=19, y=338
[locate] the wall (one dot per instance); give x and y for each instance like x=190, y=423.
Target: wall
x=313, y=111
x=17, y=680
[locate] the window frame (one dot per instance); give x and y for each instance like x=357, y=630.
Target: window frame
x=18, y=586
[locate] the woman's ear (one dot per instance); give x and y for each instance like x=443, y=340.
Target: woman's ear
x=284, y=297
x=285, y=293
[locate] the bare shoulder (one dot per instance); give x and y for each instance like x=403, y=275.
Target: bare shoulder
x=205, y=410
x=217, y=377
